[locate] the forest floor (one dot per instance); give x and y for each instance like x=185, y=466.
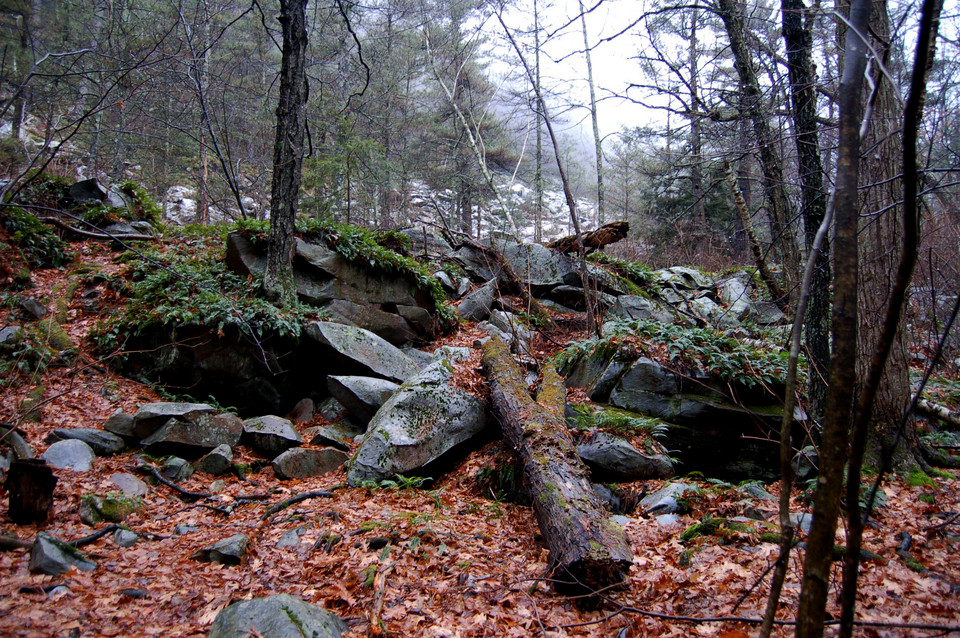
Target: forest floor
x=457, y=562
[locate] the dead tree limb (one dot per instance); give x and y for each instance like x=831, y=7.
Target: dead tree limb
x=59, y=223
x=607, y=234
x=933, y=410
x=588, y=551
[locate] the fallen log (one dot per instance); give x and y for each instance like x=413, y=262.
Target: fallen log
x=933, y=410
x=588, y=552
x=607, y=234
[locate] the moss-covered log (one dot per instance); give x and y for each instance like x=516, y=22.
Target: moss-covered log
x=588, y=551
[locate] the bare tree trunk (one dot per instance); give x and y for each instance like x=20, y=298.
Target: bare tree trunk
x=770, y=162
x=538, y=175
x=838, y=418
x=799, y=45
x=597, y=140
x=278, y=283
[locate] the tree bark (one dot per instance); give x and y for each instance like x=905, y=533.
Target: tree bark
x=604, y=236
x=30, y=485
x=588, y=552
x=839, y=407
x=278, y=283
x=770, y=162
x=813, y=205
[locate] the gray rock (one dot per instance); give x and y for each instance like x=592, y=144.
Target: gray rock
x=125, y=538
x=667, y=499
x=636, y=307
x=331, y=409
x=193, y=438
x=229, y=551
x=463, y=287
x=95, y=509
x=422, y=240
x=143, y=227
x=338, y=435
x=367, y=352
x=767, y=313
x=389, y=326
x=420, y=358
x=453, y=354
x=50, y=555
x=539, y=266
x=116, y=198
x=614, y=456
x=34, y=308
x=129, y=484
x=177, y=469
x=668, y=520
x=122, y=425
x=291, y=538
x=306, y=462
x=70, y=455
x=476, y=263
x=282, y=616
x=735, y=292
x=802, y=521
x=270, y=435
x=755, y=490
x=620, y=519
x=362, y=396
x=11, y=334
x=217, y=461
x=425, y=418
x=185, y=528
x=88, y=190
x=806, y=462
x=103, y=443
x=681, y=277
x=151, y=417
x=477, y=305
x=445, y=281
x=556, y=307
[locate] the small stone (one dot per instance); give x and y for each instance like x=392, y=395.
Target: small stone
x=185, y=528
x=291, y=538
x=307, y=462
x=229, y=551
x=270, y=435
x=50, y=555
x=218, y=486
x=177, y=469
x=129, y=484
x=217, y=461
x=122, y=425
x=125, y=538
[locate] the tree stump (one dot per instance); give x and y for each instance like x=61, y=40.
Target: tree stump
x=589, y=553
x=30, y=485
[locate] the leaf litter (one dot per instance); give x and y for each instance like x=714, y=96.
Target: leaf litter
x=455, y=562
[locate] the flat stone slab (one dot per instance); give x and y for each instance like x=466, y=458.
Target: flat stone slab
x=102, y=442
x=129, y=484
x=306, y=462
x=70, y=455
x=362, y=396
x=364, y=349
x=151, y=417
x=270, y=435
x=50, y=555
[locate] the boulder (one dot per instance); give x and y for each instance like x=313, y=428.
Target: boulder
x=614, y=456
x=71, y=454
x=735, y=292
x=681, y=277
x=50, y=555
x=218, y=461
x=152, y=416
x=281, y=616
x=103, y=443
x=362, y=396
x=424, y=419
x=88, y=190
x=192, y=439
x=125, y=538
x=476, y=263
x=477, y=305
x=229, y=551
x=302, y=462
x=636, y=307
x=539, y=266
x=424, y=242
x=270, y=435
x=95, y=509
x=388, y=326
x=360, y=351
x=122, y=425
